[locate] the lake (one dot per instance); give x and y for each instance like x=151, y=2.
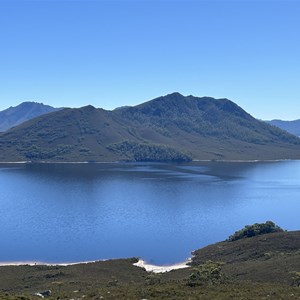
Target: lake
x=159, y=212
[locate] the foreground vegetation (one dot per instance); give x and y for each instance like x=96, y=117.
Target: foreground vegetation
x=266, y=266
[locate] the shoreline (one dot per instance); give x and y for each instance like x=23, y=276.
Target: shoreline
x=162, y=268
x=39, y=263
x=139, y=162
x=140, y=263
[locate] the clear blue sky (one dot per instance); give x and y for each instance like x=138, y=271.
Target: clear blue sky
x=114, y=53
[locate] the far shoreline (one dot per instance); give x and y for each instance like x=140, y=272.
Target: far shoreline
x=154, y=162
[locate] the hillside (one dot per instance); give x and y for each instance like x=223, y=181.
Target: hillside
x=25, y=111
x=292, y=127
x=169, y=128
x=272, y=257
x=260, y=267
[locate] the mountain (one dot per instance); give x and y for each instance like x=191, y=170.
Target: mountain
x=25, y=111
x=292, y=127
x=168, y=128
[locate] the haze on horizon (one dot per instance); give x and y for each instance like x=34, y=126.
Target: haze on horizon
x=114, y=53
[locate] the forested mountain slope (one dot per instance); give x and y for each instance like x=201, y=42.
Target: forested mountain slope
x=169, y=128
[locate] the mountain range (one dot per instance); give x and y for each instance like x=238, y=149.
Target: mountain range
x=169, y=128
x=292, y=127
x=25, y=111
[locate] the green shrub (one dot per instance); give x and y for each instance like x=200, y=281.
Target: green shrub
x=207, y=273
x=153, y=279
x=254, y=230
x=296, y=278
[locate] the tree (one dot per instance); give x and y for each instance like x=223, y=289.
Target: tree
x=255, y=229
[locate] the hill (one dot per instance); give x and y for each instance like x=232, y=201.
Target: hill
x=25, y=111
x=266, y=258
x=169, y=128
x=292, y=127
x=260, y=267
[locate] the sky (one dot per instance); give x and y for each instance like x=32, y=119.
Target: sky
x=115, y=53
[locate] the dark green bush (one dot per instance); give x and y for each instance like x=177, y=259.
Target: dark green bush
x=207, y=273
x=254, y=230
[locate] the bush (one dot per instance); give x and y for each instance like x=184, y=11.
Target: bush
x=254, y=230
x=207, y=273
x=153, y=279
x=296, y=278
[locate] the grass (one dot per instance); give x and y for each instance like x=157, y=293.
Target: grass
x=174, y=290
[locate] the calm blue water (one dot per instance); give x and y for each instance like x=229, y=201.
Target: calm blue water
x=160, y=212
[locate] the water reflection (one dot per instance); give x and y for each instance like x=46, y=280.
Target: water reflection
x=161, y=212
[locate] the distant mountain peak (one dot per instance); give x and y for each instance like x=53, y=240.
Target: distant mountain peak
x=292, y=127
x=88, y=107
x=31, y=103
x=25, y=111
x=176, y=104
x=174, y=94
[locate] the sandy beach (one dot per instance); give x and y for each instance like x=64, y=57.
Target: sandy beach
x=161, y=269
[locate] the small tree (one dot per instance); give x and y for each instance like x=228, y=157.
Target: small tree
x=207, y=273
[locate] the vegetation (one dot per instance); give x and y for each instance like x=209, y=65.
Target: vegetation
x=36, y=153
x=170, y=128
x=296, y=278
x=208, y=273
x=148, y=152
x=255, y=229
x=261, y=267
